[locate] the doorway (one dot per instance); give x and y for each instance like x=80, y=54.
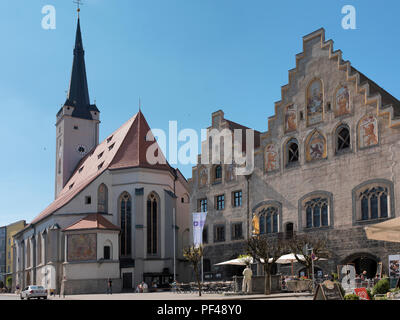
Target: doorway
x=364, y=262
x=127, y=280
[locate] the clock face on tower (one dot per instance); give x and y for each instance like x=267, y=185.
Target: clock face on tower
x=81, y=149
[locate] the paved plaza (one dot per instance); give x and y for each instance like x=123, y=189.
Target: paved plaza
x=160, y=296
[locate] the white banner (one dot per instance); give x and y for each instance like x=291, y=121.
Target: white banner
x=199, y=219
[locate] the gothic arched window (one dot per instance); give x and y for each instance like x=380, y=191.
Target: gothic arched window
x=102, y=199
x=316, y=212
x=269, y=220
x=374, y=203
x=39, y=249
x=152, y=224
x=342, y=139
x=125, y=213
x=292, y=152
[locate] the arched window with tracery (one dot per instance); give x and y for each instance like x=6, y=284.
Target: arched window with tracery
x=269, y=220
x=374, y=203
x=125, y=214
x=317, y=212
x=39, y=249
x=102, y=199
x=28, y=253
x=152, y=224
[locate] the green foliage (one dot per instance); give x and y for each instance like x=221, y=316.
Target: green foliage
x=370, y=295
x=246, y=259
x=351, y=296
x=193, y=255
x=382, y=287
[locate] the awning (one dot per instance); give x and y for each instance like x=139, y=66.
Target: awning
x=384, y=231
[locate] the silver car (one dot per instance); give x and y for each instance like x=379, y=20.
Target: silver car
x=31, y=292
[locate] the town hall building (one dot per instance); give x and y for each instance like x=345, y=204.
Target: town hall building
x=115, y=215
x=328, y=166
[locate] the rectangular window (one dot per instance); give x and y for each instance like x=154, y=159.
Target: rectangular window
x=237, y=199
x=220, y=202
x=219, y=234
x=202, y=205
x=237, y=231
x=88, y=200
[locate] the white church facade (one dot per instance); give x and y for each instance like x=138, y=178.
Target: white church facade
x=115, y=216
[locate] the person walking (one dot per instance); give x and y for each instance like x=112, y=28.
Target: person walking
x=109, y=286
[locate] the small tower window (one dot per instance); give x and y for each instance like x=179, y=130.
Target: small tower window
x=88, y=200
x=100, y=166
x=107, y=252
x=292, y=152
x=111, y=147
x=343, y=139
x=76, y=128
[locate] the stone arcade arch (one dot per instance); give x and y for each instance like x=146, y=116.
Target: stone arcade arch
x=363, y=261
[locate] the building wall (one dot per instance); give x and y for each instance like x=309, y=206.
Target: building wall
x=12, y=229
x=335, y=176
x=139, y=183
x=3, y=238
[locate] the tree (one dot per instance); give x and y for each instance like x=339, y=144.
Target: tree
x=298, y=245
x=266, y=250
x=194, y=254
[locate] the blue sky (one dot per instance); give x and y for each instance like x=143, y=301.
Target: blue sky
x=184, y=58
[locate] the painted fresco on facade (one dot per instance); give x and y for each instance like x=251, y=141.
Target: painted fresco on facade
x=203, y=176
x=314, y=102
x=271, y=158
x=291, y=118
x=316, y=147
x=342, y=101
x=368, y=132
x=230, y=172
x=82, y=247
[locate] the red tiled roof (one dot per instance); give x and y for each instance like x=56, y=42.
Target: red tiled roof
x=125, y=148
x=91, y=222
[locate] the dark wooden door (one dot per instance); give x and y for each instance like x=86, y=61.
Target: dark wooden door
x=127, y=280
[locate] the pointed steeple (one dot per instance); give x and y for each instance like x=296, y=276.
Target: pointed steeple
x=78, y=95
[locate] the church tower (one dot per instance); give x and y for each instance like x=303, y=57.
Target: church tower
x=77, y=121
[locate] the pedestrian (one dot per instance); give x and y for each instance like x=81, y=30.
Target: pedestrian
x=145, y=287
x=109, y=286
x=247, y=274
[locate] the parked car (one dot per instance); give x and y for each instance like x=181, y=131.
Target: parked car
x=31, y=292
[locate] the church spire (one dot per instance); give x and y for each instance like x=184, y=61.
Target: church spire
x=78, y=95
